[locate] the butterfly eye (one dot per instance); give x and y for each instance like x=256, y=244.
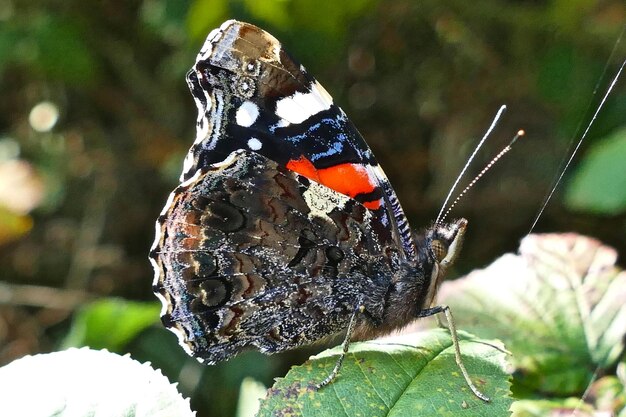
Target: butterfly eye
x=439, y=249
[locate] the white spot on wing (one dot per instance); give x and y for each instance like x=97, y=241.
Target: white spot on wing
x=300, y=106
x=247, y=114
x=254, y=144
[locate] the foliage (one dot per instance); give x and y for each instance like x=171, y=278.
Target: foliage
x=404, y=376
x=421, y=80
x=559, y=308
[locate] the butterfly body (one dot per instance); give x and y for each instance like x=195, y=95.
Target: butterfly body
x=285, y=229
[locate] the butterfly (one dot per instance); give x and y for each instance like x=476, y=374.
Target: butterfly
x=284, y=229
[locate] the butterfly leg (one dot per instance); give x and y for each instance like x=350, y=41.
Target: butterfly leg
x=345, y=345
x=440, y=322
x=455, y=342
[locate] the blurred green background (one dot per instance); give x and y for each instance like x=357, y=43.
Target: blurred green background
x=95, y=119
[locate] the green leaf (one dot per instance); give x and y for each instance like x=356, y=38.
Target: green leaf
x=558, y=307
x=410, y=375
x=84, y=382
x=599, y=184
x=111, y=323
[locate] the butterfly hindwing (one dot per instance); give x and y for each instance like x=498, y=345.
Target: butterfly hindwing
x=249, y=253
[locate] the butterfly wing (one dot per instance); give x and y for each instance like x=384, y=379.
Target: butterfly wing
x=250, y=253
x=251, y=94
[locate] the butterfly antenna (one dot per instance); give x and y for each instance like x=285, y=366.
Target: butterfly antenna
x=491, y=163
x=469, y=161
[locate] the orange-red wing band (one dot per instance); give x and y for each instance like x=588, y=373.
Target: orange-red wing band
x=349, y=179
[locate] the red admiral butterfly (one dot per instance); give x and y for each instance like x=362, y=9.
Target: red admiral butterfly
x=285, y=229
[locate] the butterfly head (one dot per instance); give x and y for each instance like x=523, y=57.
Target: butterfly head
x=445, y=242
x=440, y=246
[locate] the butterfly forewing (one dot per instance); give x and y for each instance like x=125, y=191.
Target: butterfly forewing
x=251, y=94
